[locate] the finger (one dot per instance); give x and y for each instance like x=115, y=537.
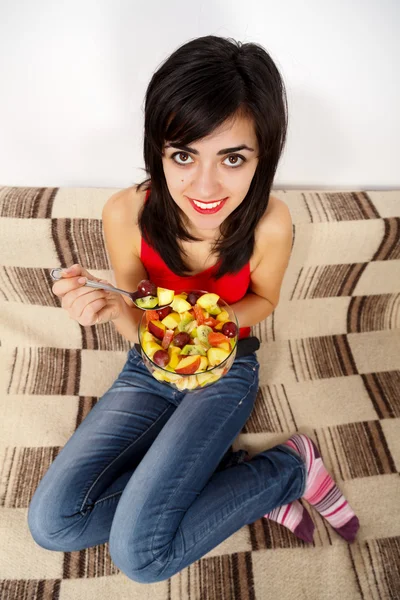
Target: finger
x=82, y=298
x=63, y=286
x=109, y=312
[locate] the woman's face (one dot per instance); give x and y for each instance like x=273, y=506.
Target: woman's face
x=211, y=170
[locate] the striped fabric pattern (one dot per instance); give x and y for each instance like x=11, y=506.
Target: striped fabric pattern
x=330, y=368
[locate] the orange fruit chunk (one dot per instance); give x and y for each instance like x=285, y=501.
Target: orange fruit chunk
x=151, y=315
x=215, y=338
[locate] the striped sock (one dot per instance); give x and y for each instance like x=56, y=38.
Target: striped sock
x=295, y=517
x=322, y=492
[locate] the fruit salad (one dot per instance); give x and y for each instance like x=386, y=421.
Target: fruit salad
x=192, y=342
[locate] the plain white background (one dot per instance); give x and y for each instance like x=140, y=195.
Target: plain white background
x=74, y=75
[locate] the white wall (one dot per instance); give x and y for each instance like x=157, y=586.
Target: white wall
x=73, y=76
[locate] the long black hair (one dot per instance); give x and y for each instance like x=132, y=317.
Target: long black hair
x=204, y=83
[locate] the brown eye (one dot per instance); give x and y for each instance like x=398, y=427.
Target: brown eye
x=180, y=154
x=235, y=164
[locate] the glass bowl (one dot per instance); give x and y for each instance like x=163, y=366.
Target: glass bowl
x=201, y=378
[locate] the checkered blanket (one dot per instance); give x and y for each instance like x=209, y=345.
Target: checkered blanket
x=330, y=368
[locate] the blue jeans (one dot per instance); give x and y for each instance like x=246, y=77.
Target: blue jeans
x=140, y=472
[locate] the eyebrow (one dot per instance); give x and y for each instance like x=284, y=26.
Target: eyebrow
x=223, y=151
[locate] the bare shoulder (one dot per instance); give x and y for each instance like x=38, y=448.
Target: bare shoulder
x=122, y=208
x=275, y=226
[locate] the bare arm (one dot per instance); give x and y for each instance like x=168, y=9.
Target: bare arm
x=128, y=269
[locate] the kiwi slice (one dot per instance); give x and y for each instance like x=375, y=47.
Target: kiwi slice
x=202, y=334
x=147, y=302
x=191, y=349
x=184, y=323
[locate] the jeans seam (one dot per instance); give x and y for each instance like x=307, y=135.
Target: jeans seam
x=107, y=498
x=117, y=457
x=192, y=468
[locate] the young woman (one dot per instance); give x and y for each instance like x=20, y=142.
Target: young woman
x=147, y=469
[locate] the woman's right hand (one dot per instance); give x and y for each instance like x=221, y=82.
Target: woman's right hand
x=86, y=305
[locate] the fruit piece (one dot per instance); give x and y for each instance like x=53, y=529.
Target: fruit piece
x=161, y=358
x=174, y=361
x=199, y=315
x=211, y=322
x=216, y=356
x=191, y=349
x=168, y=336
x=147, y=302
x=229, y=329
x=192, y=297
x=193, y=333
x=203, y=364
x=187, y=383
x=147, y=288
x=187, y=313
x=188, y=365
x=151, y=315
x=223, y=316
x=215, y=338
x=233, y=343
x=157, y=329
x=203, y=331
x=159, y=375
x=165, y=296
x=181, y=339
x=203, y=378
x=208, y=300
x=150, y=348
x=179, y=304
x=148, y=337
x=192, y=325
x=174, y=357
x=219, y=326
x=214, y=310
x=164, y=312
x=172, y=320
x=172, y=377
x=181, y=383
x=225, y=346
x=184, y=322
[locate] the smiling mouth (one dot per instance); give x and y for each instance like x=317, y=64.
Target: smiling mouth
x=209, y=202
x=207, y=208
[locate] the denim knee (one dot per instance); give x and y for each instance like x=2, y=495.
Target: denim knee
x=50, y=530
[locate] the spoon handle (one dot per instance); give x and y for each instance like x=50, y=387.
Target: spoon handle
x=104, y=286
x=56, y=275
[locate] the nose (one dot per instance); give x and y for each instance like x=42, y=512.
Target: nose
x=206, y=185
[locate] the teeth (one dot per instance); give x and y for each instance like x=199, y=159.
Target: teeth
x=206, y=206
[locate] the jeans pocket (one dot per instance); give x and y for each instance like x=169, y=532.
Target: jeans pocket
x=134, y=355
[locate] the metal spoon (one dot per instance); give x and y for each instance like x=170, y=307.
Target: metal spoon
x=56, y=275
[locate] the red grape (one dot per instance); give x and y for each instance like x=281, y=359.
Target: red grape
x=229, y=329
x=163, y=312
x=161, y=358
x=181, y=339
x=193, y=297
x=147, y=288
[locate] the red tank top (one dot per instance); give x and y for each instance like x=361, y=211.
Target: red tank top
x=230, y=287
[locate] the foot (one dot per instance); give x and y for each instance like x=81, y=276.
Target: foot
x=322, y=492
x=295, y=517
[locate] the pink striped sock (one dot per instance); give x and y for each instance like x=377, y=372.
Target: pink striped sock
x=322, y=492
x=295, y=517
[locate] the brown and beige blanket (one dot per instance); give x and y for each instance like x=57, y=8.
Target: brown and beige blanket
x=330, y=367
